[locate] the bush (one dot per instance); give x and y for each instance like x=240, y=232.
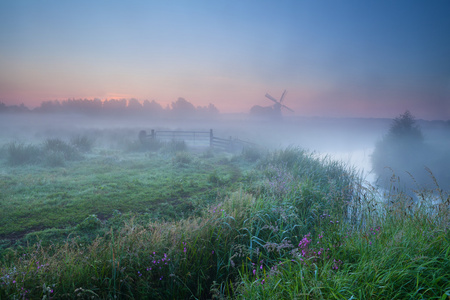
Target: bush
x=54, y=146
x=54, y=159
x=404, y=127
x=21, y=154
x=251, y=154
x=82, y=143
x=182, y=159
x=175, y=146
x=402, y=150
x=153, y=144
x=209, y=153
x=53, y=153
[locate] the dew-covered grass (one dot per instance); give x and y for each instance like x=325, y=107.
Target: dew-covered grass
x=253, y=225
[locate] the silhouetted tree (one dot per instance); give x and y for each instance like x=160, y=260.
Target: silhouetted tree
x=73, y=106
x=17, y=108
x=404, y=128
x=49, y=107
x=182, y=108
x=207, y=112
x=152, y=108
x=401, y=150
x=95, y=106
x=114, y=106
x=134, y=105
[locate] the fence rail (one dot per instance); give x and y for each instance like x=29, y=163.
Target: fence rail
x=197, y=138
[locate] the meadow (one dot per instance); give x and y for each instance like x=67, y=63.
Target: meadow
x=82, y=220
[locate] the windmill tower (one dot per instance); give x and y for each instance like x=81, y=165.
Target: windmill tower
x=273, y=111
x=278, y=105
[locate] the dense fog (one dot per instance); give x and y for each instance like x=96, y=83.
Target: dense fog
x=351, y=140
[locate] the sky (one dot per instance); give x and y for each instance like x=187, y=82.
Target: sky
x=335, y=58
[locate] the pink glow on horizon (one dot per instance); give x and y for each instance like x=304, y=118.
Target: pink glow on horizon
x=303, y=102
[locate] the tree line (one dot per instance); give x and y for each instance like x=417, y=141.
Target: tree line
x=179, y=109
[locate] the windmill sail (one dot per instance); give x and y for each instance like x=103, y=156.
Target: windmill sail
x=271, y=98
x=282, y=96
x=278, y=103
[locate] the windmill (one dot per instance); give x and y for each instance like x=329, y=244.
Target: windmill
x=273, y=111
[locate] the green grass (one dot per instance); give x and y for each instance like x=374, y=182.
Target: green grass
x=159, y=225
x=37, y=197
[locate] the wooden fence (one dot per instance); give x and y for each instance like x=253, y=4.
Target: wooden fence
x=198, y=138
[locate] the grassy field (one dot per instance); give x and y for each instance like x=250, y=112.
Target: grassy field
x=163, y=185
x=79, y=221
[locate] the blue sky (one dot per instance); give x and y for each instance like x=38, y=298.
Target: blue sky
x=335, y=58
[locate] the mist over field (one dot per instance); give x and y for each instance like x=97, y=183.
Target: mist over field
x=114, y=208
x=224, y=149
x=350, y=140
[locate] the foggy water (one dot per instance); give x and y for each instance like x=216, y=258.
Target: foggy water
x=351, y=141
x=359, y=159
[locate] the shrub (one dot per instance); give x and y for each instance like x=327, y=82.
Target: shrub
x=402, y=150
x=54, y=146
x=175, y=146
x=209, y=153
x=153, y=144
x=82, y=143
x=182, y=159
x=54, y=159
x=404, y=127
x=148, y=142
x=251, y=154
x=21, y=154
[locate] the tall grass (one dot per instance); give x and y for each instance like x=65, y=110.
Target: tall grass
x=21, y=154
x=309, y=230
x=58, y=146
x=396, y=249
x=53, y=152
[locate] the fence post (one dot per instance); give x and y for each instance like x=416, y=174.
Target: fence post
x=211, y=136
